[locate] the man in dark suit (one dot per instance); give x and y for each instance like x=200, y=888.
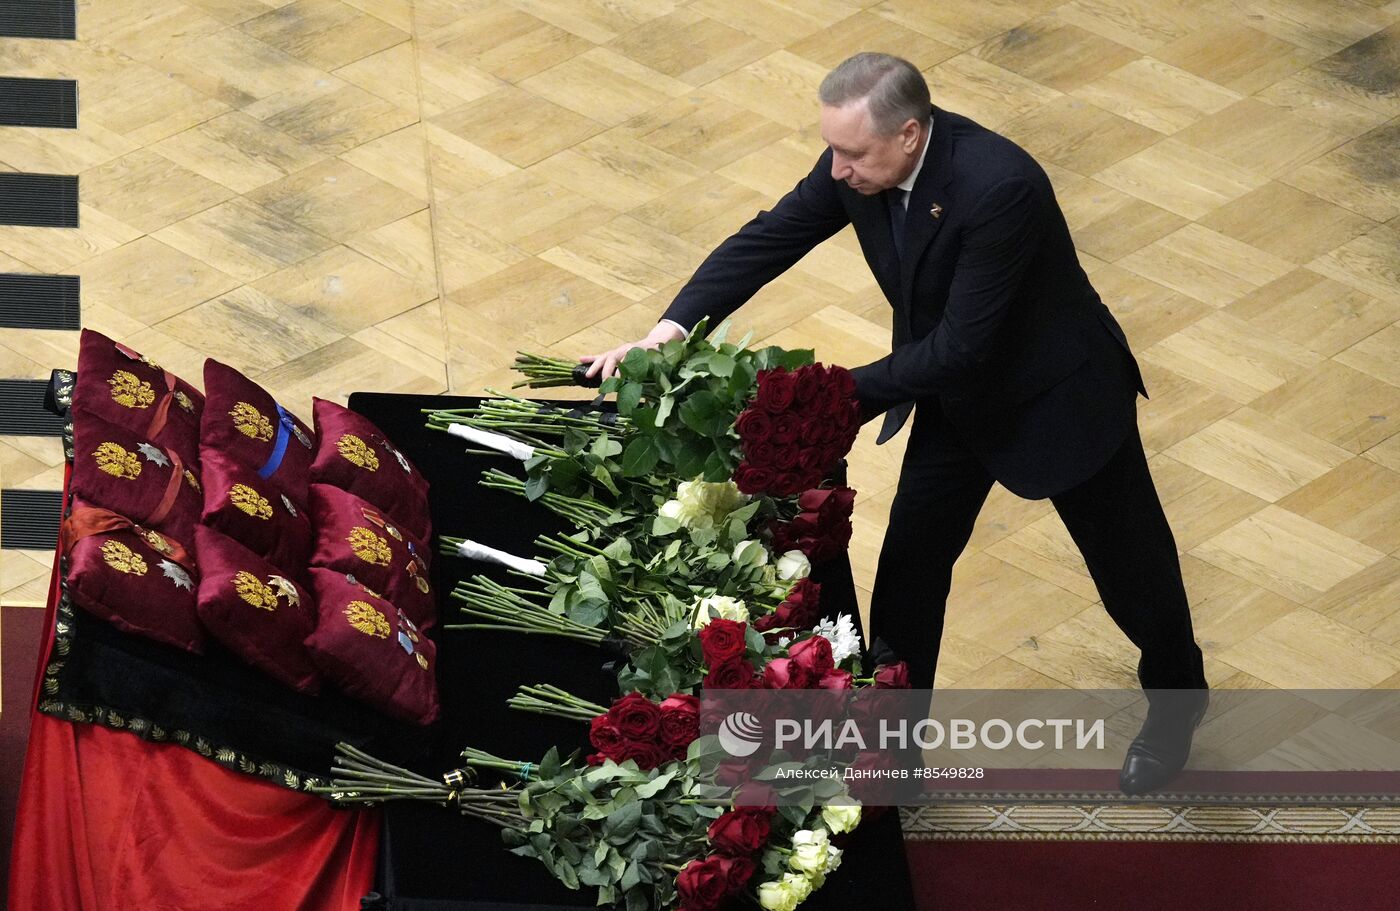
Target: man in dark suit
x=1019, y=373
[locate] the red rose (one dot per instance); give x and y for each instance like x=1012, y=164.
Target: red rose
x=636, y=717
x=787, y=429
x=756, y=795
x=754, y=426
x=811, y=380
x=680, y=722
x=803, y=604
x=738, y=871
x=722, y=639
x=734, y=674
x=813, y=432
x=786, y=674
x=753, y=480
x=785, y=456
x=605, y=736
x=762, y=455
x=647, y=755
x=813, y=655
x=776, y=390
x=843, y=381
x=892, y=676
x=787, y=483
x=836, y=680
x=703, y=884
x=741, y=832
x=812, y=460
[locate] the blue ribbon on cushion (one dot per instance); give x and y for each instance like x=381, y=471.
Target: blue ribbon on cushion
x=279, y=447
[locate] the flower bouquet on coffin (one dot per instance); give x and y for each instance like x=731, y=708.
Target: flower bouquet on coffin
x=769, y=419
x=660, y=838
x=638, y=587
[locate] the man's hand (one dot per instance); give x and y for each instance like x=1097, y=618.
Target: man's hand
x=604, y=365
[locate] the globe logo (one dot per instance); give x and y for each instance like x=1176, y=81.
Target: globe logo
x=740, y=734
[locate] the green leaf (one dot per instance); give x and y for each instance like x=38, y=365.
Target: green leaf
x=634, y=365
x=656, y=785
x=604, y=477
x=605, y=447
x=639, y=458
x=536, y=487
x=631, y=878
x=663, y=409
x=628, y=398
x=722, y=365
x=622, y=823
x=549, y=765
x=637, y=900
x=662, y=526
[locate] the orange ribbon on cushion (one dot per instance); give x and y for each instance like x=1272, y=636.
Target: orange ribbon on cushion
x=90, y=520
x=172, y=489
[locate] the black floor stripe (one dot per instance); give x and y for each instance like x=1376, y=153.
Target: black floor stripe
x=29, y=519
x=40, y=200
x=22, y=411
x=38, y=19
x=38, y=102
x=39, y=301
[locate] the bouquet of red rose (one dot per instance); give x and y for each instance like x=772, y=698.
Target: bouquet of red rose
x=821, y=529
x=769, y=419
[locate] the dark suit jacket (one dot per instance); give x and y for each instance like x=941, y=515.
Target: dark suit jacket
x=996, y=327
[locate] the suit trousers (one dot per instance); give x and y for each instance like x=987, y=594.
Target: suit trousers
x=1114, y=517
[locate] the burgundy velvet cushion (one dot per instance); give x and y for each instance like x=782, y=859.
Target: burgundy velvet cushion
x=140, y=588
x=126, y=388
x=120, y=470
x=260, y=614
x=354, y=537
x=352, y=454
x=256, y=513
x=242, y=421
x=370, y=650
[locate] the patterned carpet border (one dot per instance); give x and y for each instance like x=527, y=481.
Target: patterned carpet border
x=1069, y=822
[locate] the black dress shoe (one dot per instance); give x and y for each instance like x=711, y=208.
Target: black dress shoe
x=1159, y=752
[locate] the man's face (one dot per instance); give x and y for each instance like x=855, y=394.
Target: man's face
x=868, y=162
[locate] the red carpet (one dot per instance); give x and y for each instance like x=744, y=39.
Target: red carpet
x=1006, y=875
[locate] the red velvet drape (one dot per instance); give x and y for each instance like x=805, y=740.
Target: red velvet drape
x=107, y=820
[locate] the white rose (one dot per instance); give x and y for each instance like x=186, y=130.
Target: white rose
x=809, y=852
x=833, y=858
x=671, y=509
x=800, y=885
x=705, y=502
x=750, y=553
x=841, y=817
x=726, y=607
x=777, y=896
x=793, y=565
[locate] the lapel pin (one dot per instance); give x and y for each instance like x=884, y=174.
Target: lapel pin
x=936, y=211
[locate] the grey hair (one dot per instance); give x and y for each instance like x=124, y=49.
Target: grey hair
x=894, y=89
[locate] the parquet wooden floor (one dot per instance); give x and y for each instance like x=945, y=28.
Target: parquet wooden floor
x=396, y=194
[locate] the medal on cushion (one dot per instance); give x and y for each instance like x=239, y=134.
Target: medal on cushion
x=418, y=569
x=373, y=516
